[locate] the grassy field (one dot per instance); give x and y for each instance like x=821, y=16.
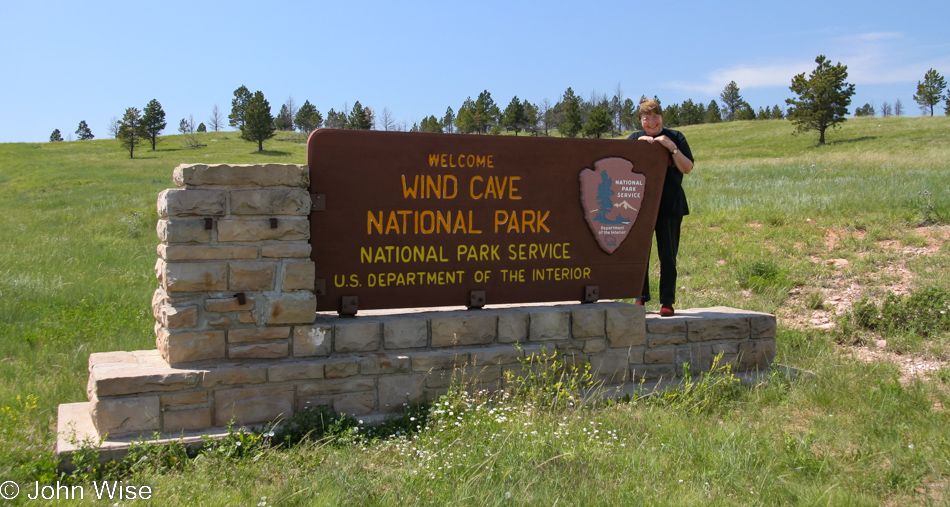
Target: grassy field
x=778, y=224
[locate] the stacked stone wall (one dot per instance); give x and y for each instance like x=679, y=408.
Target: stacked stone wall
x=238, y=338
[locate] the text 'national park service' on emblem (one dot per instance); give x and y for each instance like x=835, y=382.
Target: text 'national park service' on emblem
x=611, y=195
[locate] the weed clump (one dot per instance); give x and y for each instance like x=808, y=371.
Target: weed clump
x=923, y=313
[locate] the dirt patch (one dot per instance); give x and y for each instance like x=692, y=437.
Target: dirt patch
x=818, y=308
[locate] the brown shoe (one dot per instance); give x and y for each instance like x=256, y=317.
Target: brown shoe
x=666, y=311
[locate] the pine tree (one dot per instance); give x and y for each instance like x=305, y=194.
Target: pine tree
x=513, y=118
x=465, y=120
x=242, y=96
x=336, y=120
x=571, y=104
x=308, y=118
x=598, y=121
x=628, y=115
x=359, y=118
x=55, y=137
x=449, y=120
x=258, y=121
x=823, y=98
x=284, y=120
x=83, y=131
x=930, y=91
x=131, y=130
x=486, y=112
x=153, y=121
x=531, y=117
x=201, y=128
x=713, y=113
x=731, y=101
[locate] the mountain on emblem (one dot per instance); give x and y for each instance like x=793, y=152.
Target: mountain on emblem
x=611, y=195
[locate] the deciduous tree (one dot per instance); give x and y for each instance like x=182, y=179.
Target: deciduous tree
x=153, y=120
x=258, y=121
x=83, y=131
x=898, y=108
x=930, y=91
x=114, y=127
x=216, y=120
x=131, y=130
x=823, y=98
x=55, y=137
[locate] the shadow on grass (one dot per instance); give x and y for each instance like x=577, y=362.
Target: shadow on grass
x=855, y=140
x=272, y=153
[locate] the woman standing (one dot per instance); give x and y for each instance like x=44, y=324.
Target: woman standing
x=673, y=206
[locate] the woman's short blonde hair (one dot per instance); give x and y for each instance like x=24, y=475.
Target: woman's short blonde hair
x=650, y=106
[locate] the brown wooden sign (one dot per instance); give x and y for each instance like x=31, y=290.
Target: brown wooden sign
x=418, y=220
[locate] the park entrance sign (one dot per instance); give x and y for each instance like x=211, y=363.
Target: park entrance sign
x=405, y=220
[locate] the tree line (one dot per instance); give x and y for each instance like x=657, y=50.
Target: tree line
x=822, y=102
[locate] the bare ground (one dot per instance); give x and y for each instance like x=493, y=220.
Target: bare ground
x=844, y=287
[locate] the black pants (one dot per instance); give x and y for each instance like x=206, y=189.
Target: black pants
x=667, y=245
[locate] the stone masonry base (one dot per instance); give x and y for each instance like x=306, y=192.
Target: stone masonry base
x=370, y=366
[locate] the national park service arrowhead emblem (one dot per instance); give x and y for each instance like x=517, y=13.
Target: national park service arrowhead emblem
x=611, y=195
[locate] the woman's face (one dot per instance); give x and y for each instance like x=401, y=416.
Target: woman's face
x=652, y=124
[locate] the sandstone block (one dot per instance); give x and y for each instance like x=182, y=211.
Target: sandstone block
x=341, y=369
x=587, y=323
x=298, y=275
x=116, y=357
x=255, y=276
x=174, y=317
x=549, y=325
x=357, y=337
x=660, y=340
x=495, y=355
x=396, y=390
x=610, y=368
x=205, y=252
x=659, y=356
x=698, y=356
x=595, y=346
x=233, y=374
x=270, y=201
x=253, y=405
x=463, y=328
x=653, y=372
x=763, y=326
x=158, y=301
x=665, y=325
x=118, y=416
x=176, y=202
x=242, y=175
x=438, y=360
x=291, y=308
x=118, y=379
x=183, y=230
x=221, y=305
x=712, y=328
x=312, y=340
x=288, y=229
x=180, y=348
x=294, y=371
x=188, y=419
x=467, y=376
x=195, y=276
x=626, y=326
x=184, y=400
x=405, y=333
x=354, y=404
x=385, y=364
x=286, y=250
x=258, y=334
x=512, y=327
x=334, y=387
x=269, y=350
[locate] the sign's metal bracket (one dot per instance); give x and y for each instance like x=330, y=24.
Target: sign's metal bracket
x=318, y=202
x=591, y=293
x=349, y=305
x=476, y=299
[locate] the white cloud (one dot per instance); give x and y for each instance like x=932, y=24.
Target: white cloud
x=747, y=76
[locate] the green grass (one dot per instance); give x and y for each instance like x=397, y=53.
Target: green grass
x=78, y=247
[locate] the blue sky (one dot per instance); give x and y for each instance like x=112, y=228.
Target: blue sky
x=69, y=61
